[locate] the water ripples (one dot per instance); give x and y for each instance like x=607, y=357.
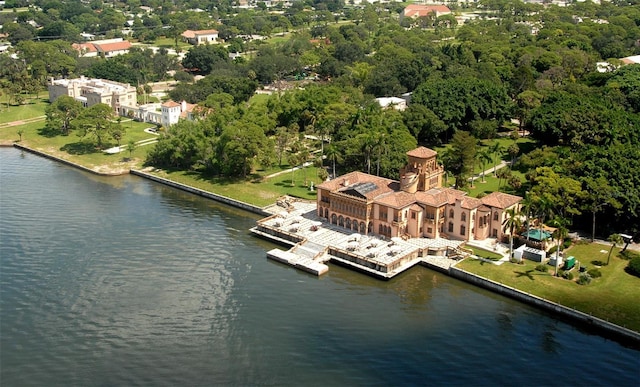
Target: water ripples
x=120, y=281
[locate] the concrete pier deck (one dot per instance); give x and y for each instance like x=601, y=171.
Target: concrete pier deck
x=314, y=242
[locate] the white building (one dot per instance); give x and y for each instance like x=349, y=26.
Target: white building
x=392, y=103
x=122, y=98
x=200, y=36
x=91, y=91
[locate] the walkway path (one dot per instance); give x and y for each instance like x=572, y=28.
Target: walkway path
x=500, y=165
x=22, y=122
x=308, y=163
x=121, y=148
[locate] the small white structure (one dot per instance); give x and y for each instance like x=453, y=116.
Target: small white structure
x=392, y=103
x=200, y=36
x=530, y=253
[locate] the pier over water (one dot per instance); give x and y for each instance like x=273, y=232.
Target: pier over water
x=315, y=242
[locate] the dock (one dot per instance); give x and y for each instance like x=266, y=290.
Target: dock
x=314, y=242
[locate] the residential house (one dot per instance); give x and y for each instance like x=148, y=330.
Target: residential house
x=106, y=48
x=112, y=47
x=200, y=36
x=420, y=10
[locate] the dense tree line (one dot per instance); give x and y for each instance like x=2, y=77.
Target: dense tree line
x=529, y=62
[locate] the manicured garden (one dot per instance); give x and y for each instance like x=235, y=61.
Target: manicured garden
x=612, y=297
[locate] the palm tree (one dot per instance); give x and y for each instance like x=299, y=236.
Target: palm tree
x=511, y=224
x=495, y=149
x=485, y=157
x=545, y=209
x=561, y=232
x=527, y=207
x=614, y=239
x=334, y=155
x=381, y=147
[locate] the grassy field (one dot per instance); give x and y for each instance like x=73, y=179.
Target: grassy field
x=259, y=191
x=32, y=108
x=170, y=43
x=484, y=253
x=612, y=297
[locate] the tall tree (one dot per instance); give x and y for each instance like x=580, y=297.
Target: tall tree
x=560, y=233
x=485, y=157
x=95, y=122
x=512, y=223
x=334, y=154
x=599, y=194
x=61, y=113
x=614, y=239
x=463, y=147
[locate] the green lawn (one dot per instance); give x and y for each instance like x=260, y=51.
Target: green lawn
x=259, y=191
x=484, y=253
x=170, y=43
x=74, y=149
x=33, y=107
x=612, y=297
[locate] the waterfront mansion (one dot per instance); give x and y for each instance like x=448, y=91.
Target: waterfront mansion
x=122, y=98
x=415, y=206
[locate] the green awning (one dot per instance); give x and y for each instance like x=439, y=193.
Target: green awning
x=537, y=234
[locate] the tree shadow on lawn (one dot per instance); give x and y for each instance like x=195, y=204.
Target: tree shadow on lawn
x=49, y=132
x=527, y=274
x=80, y=148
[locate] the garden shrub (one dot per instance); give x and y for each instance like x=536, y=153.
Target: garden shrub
x=598, y=263
x=567, y=275
x=628, y=255
x=634, y=267
x=567, y=243
x=552, y=250
x=542, y=268
x=594, y=273
x=584, y=279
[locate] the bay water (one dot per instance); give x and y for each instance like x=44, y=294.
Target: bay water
x=119, y=281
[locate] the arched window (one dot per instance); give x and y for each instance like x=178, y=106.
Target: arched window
x=463, y=217
x=334, y=219
x=451, y=214
x=495, y=215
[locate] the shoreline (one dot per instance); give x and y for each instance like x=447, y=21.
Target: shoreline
x=611, y=330
x=67, y=162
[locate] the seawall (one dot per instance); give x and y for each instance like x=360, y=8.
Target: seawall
x=575, y=315
x=203, y=193
x=67, y=162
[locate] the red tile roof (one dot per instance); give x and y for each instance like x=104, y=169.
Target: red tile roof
x=397, y=199
x=422, y=152
x=170, y=104
x=500, y=200
x=190, y=34
x=419, y=10
x=469, y=203
x=115, y=46
x=437, y=197
x=89, y=47
x=350, y=179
